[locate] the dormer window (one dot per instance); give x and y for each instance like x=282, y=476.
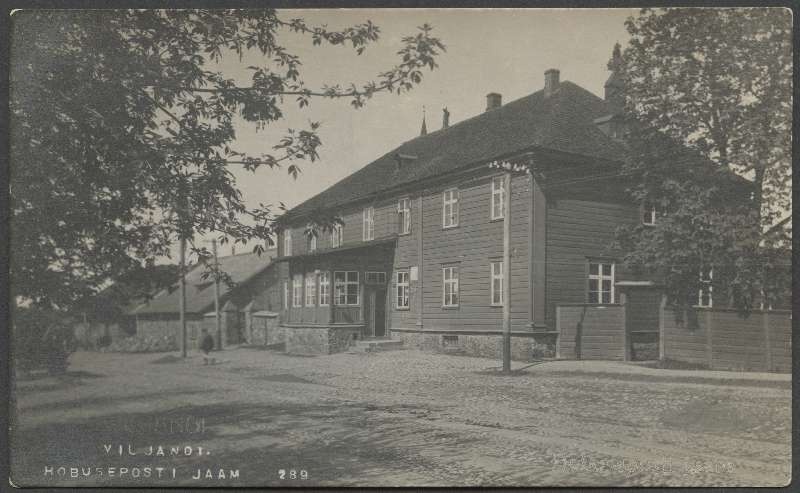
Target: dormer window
x=648, y=214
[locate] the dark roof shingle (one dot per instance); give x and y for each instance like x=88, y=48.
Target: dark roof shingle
x=563, y=122
x=199, y=291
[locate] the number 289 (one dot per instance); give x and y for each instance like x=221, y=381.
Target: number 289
x=292, y=474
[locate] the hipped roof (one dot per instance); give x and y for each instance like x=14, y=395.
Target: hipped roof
x=562, y=121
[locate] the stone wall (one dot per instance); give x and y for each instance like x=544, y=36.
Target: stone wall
x=524, y=346
x=264, y=329
x=157, y=327
x=320, y=339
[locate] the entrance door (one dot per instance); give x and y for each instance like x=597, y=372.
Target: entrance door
x=376, y=311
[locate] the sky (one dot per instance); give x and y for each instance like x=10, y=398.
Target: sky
x=488, y=50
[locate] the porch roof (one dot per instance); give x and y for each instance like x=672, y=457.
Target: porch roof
x=323, y=252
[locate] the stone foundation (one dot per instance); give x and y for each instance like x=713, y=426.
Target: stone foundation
x=320, y=339
x=524, y=346
x=264, y=329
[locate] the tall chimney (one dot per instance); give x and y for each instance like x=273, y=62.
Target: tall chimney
x=550, y=81
x=445, y=118
x=493, y=101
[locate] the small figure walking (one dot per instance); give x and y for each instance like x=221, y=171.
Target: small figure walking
x=206, y=345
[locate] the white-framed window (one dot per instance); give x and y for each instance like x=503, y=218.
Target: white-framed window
x=287, y=242
x=312, y=242
x=404, y=215
x=497, y=283
x=285, y=295
x=324, y=288
x=498, y=197
x=346, y=287
x=450, y=286
x=601, y=283
x=336, y=235
x=297, y=290
x=704, y=294
x=402, y=300
x=368, y=232
x=450, y=208
x=375, y=278
x=311, y=289
x=648, y=214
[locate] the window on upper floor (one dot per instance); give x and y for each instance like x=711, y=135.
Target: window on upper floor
x=648, y=214
x=601, y=283
x=450, y=208
x=368, y=232
x=402, y=299
x=404, y=216
x=498, y=197
x=312, y=240
x=496, y=290
x=704, y=294
x=336, y=235
x=287, y=242
x=450, y=286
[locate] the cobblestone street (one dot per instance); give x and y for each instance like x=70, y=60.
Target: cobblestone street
x=398, y=418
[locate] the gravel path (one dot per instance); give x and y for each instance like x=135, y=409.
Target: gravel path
x=401, y=418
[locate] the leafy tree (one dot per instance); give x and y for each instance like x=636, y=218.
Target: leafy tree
x=123, y=133
x=719, y=81
x=130, y=289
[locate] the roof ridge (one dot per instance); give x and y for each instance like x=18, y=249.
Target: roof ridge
x=562, y=121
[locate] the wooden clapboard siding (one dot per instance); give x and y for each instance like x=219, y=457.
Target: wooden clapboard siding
x=576, y=231
x=472, y=245
x=352, y=229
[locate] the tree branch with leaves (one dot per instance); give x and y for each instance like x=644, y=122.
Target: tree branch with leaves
x=119, y=120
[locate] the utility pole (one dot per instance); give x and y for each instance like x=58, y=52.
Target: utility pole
x=182, y=284
x=216, y=294
x=507, y=272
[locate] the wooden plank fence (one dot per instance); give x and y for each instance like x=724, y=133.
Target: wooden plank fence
x=721, y=339
x=718, y=339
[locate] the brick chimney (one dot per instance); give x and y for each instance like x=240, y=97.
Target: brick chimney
x=493, y=101
x=551, y=81
x=445, y=118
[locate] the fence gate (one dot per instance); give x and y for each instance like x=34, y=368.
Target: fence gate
x=642, y=301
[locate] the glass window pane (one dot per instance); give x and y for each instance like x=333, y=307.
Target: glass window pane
x=593, y=285
x=607, y=285
x=606, y=269
x=593, y=269
x=593, y=297
x=606, y=297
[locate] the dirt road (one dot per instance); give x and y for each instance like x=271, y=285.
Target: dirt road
x=399, y=418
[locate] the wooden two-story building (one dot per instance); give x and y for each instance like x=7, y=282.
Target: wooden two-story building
x=419, y=254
